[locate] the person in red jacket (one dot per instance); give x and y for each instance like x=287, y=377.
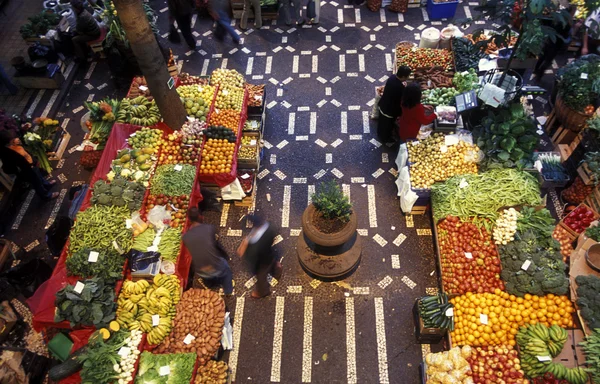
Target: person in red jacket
x=413, y=113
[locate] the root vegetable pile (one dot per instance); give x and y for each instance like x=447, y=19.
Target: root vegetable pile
x=449, y=366
x=470, y=261
x=214, y=372
x=566, y=244
x=435, y=77
x=200, y=314
x=433, y=161
x=506, y=226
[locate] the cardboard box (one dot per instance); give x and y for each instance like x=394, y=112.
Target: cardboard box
x=572, y=354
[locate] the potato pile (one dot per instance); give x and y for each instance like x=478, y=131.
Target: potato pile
x=431, y=160
x=201, y=314
x=229, y=77
x=214, y=372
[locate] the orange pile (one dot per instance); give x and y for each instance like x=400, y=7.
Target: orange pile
x=226, y=118
x=217, y=156
x=506, y=313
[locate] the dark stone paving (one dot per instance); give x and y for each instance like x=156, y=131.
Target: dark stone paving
x=358, y=330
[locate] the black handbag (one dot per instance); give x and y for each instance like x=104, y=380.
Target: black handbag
x=311, y=13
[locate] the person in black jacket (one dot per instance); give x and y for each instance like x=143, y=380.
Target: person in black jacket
x=390, y=103
x=257, y=251
x=181, y=11
x=87, y=29
x=16, y=161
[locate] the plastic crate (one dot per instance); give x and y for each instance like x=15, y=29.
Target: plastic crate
x=438, y=11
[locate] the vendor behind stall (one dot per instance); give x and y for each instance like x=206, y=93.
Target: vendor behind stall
x=413, y=113
x=591, y=37
x=86, y=29
x=389, y=105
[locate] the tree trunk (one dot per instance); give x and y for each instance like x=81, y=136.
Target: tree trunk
x=151, y=61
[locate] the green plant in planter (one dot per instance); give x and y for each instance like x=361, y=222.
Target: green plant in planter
x=331, y=202
x=592, y=159
x=578, y=92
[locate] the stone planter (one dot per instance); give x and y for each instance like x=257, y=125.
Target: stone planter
x=328, y=256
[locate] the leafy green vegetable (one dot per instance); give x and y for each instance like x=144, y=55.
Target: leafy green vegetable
x=39, y=24
x=100, y=357
x=546, y=271
x=591, y=348
x=170, y=182
x=94, y=306
x=593, y=233
x=109, y=265
x=507, y=138
x=181, y=367
x=576, y=92
x=588, y=299
x=484, y=194
x=539, y=221
x=98, y=227
x=466, y=81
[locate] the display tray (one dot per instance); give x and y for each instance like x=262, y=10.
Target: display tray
x=257, y=110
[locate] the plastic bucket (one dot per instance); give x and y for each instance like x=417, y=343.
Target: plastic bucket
x=447, y=34
x=430, y=38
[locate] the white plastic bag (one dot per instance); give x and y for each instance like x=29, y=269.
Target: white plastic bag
x=408, y=200
x=402, y=156
x=233, y=191
x=159, y=216
x=403, y=181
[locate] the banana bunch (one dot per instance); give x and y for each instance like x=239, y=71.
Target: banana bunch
x=538, y=345
x=138, y=111
x=140, y=301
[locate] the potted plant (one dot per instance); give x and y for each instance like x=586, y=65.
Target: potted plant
x=329, y=246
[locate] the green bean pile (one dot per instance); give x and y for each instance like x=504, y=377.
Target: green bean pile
x=98, y=226
x=485, y=195
x=168, y=181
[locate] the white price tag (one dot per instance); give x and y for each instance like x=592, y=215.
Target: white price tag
x=450, y=312
x=174, y=208
x=128, y=223
x=584, y=76
x=252, y=142
x=463, y=184
x=152, y=248
x=443, y=149
x=526, y=265
x=188, y=339
x=245, y=176
x=79, y=287
x=164, y=371
x=143, y=88
x=133, y=134
x=538, y=165
x=451, y=140
x=93, y=257
x=468, y=255
x=483, y=318
x=529, y=97
x=199, y=88
x=544, y=358
x=464, y=73
x=178, y=167
x=124, y=352
x=117, y=247
x=257, y=97
x=155, y=320
x=225, y=92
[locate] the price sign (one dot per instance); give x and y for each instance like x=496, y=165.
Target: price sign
x=463, y=184
x=188, y=339
x=170, y=83
x=93, y=257
x=544, y=358
x=155, y=320
x=152, y=248
x=584, y=76
x=124, y=351
x=450, y=140
x=468, y=255
x=450, y=312
x=245, y=176
x=79, y=287
x=252, y=142
x=143, y=88
x=483, y=318
x=526, y=265
x=128, y=223
x=117, y=247
x=443, y=149
x=164, y=371
x=178, y=167
x=257, y=97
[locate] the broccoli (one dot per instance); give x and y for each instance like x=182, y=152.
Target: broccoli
x=104, y=199
x=555, y=284
x=118, y=201
x=536, y=288
x=119, y=182
x=582, y=301
x=522, y=279
x=506, y=274
x=100, y=187
x=116, y=191
x=127, y=195
x=510, y=286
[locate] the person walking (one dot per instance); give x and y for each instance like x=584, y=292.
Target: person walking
x=413, y=113
x=181, y=12
x=257, y=251
x=209, y=259
x=390, y=107
x=294, y=6
x=255, y=4
x=86, y=29
x=220, y=12
x=17, y=161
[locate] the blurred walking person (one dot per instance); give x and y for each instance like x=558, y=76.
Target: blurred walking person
x=220, y=12
x=255, y=4
x=181, y=12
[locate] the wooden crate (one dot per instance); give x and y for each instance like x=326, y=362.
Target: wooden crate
x=585, y=173
x=61, y=148
x=593, y=200
x=419, y=210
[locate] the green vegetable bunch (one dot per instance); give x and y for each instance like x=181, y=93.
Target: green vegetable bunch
x=540, y=222
x=467, y=54
x=466, y=81
x=575, y=91
x=170, y=182
x=169, y=246
x=591, y=348
x=588, y=299
x=120, y=193
x=108, y=267
x=331, y=202
x=507, y=138
x=101, y=356
x=181, y=367
x=94, y=306
x=593, y=233
x=99, y=227
x=39, y=24
x=484, y=194
x=440, y=96
x=546, y=271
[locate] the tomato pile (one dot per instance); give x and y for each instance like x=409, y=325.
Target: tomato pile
x=178, y=206
x=478, y=272
x=580, y=218
x=499, y=364
x=423, y=57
